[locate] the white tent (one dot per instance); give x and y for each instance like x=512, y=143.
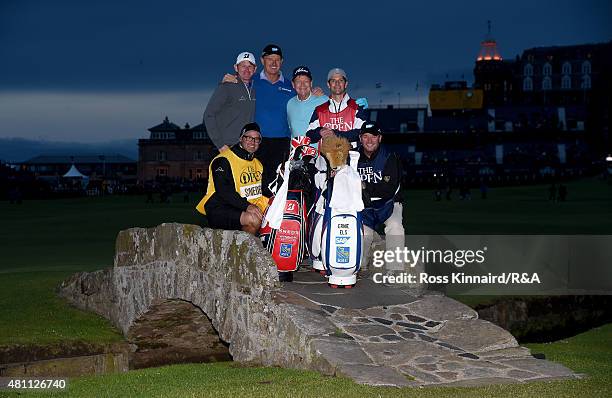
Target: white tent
x=74, y=172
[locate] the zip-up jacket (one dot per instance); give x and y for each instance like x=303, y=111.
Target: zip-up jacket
x=231, y=106
x=380, y=181
x=345, y=118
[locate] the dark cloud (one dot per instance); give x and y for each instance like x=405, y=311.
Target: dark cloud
x=110, y=48
x=152, y=45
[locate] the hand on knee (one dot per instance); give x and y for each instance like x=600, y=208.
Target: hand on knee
x=250, y=222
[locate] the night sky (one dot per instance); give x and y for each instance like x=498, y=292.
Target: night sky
x=99, y=71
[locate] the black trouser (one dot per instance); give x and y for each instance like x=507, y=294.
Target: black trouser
x=223, y=217
x=271, y=153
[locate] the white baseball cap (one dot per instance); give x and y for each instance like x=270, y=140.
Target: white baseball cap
x=246, y=56
x=336, y=71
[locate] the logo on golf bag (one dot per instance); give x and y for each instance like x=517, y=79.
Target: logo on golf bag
x=292, y=207
x=343, y=254
x=285, y=250
x=340, y=240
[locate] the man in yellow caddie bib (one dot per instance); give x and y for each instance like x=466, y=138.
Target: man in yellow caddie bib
x=234, y=197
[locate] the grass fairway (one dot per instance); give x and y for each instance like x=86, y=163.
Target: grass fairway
x=33, y=314
x=77, y=234
x=589, y=353
x=513, y=210
x=44, y=242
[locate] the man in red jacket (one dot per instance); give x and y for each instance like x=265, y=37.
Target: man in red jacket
x=341, y=115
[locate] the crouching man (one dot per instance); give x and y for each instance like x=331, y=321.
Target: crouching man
x=380, y=173
x=233, y=198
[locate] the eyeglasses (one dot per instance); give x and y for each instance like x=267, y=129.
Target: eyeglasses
x=248, y=138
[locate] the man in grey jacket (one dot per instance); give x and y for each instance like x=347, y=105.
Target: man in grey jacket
x=232, y=105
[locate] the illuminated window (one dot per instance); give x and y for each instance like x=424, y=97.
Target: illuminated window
x=547, y=69
x=527, y=84
x=566, y=82
x=403, y=127
x=566, y=69
x=546, y=83
x=586, y=68
x=528, y=70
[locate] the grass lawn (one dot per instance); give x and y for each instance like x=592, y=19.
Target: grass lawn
x=46, y=241
x=589, y=353
x=33, y=314
x=513, y=210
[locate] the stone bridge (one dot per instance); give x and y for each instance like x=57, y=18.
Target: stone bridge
x=372, y=334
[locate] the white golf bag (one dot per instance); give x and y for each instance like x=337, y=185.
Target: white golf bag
x=337, y=229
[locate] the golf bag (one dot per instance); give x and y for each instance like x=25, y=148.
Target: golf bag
x=337, y=229
x=287, y=244
x=284, y=230
x=315, y=232
x=315, y=216
x=341, y=244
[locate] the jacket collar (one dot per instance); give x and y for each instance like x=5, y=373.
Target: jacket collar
x=262, y=76
x=336, y=107
x=241, y=152
x=363, y=156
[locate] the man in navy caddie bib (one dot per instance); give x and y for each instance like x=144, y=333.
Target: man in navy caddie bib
x=380, y=173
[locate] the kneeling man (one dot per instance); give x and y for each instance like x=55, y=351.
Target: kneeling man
x=233, y=198
x=380, y=173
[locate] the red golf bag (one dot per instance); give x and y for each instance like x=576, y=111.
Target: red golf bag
x=287, y=244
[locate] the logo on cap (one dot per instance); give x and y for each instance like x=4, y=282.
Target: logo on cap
x=302, y=70
x=271, y=49
x=245, y=56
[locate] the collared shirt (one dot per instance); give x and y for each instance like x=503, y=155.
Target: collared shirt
x=300, y=111
x=262, y=75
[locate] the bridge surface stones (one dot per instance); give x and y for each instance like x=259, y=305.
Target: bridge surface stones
x=390, y=336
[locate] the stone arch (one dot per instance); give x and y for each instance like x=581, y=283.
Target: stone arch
x=174, y=331
x=227, y=274
x=233, y=279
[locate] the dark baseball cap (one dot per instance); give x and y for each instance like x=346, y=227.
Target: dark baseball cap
x=271, y=49
x=301, y=71
x=370, y=128
x=250, y=127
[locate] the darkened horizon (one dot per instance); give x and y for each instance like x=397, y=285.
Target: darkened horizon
x=92, y=72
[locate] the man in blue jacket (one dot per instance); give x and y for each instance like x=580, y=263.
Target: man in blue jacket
x=273, y=93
